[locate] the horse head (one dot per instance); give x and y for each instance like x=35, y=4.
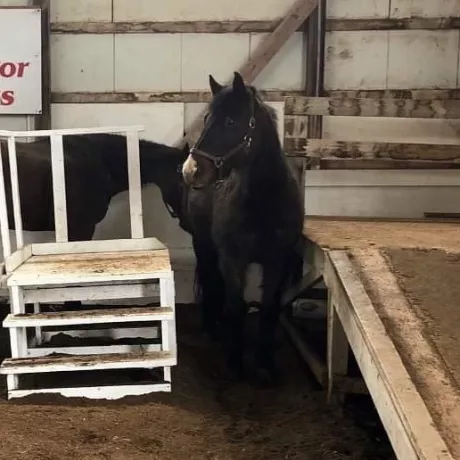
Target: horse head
x=231, y=133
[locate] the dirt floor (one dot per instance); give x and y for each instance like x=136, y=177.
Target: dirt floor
x=205, y=418
x=433, y=288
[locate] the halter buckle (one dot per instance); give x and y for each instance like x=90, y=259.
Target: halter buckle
x=218, y=162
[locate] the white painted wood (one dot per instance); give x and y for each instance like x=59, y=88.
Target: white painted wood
x=102, y=392
x=86, y=268
x=337, y=347
x=17, y=258
x=212, y=10
x=216, y=54
x=135, y=186
x=159, y=70
x=15, y=192
x=4, y=225
x=88, y=363
x=356, y=60
x=398, y=202
x=291, y=56
x=73, y=131
x=404, y=415
x=424, y=8
x=375, y=129
x=163, y=122
x=76, y=247
x=59, y=192
x=100, y=349
x=384, y=178
x=107, y=292
x=81, y=10
x=113, y=333
x=82, y=62
x=14, y=122
x=429, y=59
x=358, y=9
x=168, y=328
x=106, y=316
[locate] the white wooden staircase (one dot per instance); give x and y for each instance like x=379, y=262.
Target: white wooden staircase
x=135, y=268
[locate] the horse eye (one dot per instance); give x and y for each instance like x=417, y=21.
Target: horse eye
x=229, y=121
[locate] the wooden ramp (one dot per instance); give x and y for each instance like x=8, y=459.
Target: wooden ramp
x=393, y=299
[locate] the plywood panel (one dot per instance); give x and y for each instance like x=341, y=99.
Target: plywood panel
x=287, y=69
x=396, y=202
x=15, y=2
x=186, y=10
x=148, y=62
x=394, y=129
x=216, y=54
x=422, y=59
x=424, y=8
x=356, y=60
x=357, y=9
x=82, y=62
x=13, y=122
x=163, y=121
x=81, y=10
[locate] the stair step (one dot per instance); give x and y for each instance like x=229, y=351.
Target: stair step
x=71, y=318
x=67, y=363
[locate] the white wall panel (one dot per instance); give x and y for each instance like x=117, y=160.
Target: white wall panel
x=15, y=2
x=354, y=9
x=423, y=59
x=148, y=62
x=187, y=10
x=356, y=60
x=82, y=62
x=13, y=122
x=287, y=68
x=163, y=121
x=81, y=10
x=216, y=54
x=395, y=129
x=424, y=8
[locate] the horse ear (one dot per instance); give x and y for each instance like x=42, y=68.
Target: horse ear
x=238, y=83
x=215, y=87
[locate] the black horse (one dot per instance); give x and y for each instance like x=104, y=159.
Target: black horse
x=96, y=171
x=244, y=207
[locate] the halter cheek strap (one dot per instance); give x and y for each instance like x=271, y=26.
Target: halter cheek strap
x=244, y=145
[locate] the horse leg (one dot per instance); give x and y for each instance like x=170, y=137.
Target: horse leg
x=210, y=280
x=235, y=312
x=275, y=276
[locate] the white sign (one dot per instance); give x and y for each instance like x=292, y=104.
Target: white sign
x=20, y=61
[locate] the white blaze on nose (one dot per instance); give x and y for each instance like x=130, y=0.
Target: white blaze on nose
x=190, y=167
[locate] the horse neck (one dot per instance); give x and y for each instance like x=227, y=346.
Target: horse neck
x=268, y=167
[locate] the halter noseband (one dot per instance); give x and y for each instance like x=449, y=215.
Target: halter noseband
x=245, y=145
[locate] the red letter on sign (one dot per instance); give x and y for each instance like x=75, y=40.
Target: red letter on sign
x=7, y=98
x=21, y=68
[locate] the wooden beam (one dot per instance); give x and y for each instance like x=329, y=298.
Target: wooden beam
x=149, y=97
x=351, y=164
x=43, y=121
x=328, y=148
x=298, y=108
x=393, y=24
x=222, y=27
x=453, y=93
x=267, y=49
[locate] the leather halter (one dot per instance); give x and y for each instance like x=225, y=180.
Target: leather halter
x=245, y=145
